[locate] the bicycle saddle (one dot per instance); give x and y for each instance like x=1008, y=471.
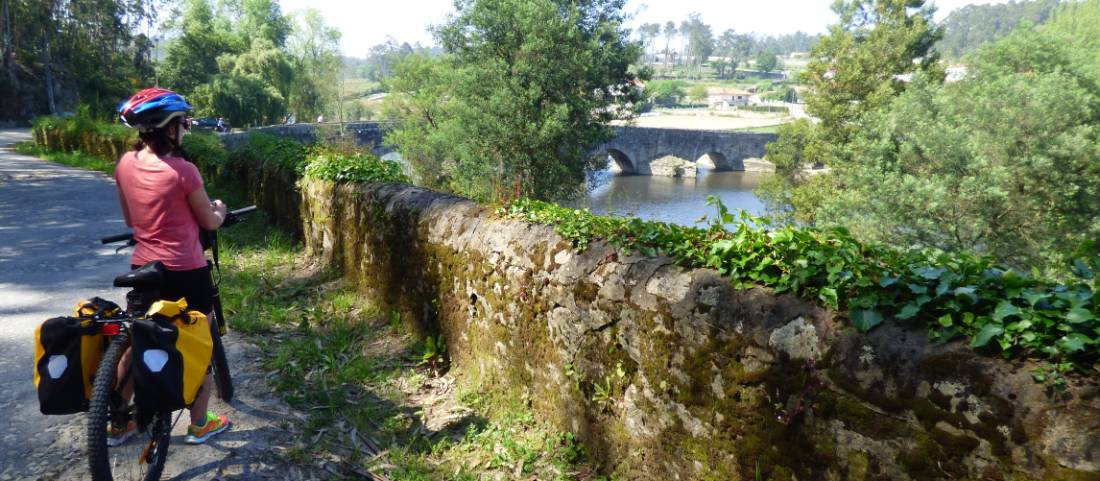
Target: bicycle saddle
x=148, y=275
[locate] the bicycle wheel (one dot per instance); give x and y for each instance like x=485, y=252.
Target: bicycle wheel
x=218, y=360
x=140, y=459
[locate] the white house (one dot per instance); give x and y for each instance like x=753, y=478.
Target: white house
x=723, y=98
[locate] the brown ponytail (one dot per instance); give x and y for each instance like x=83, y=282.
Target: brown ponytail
x=160, y=141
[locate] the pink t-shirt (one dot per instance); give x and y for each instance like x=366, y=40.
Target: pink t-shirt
x=155, y=191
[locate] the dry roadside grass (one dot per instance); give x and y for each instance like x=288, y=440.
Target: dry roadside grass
x=377, y=401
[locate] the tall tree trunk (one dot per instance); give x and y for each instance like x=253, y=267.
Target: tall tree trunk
x=47, y=62
x=9, y=47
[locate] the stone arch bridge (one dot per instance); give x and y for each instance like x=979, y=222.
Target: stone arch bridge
x=635, y=147
x=632, y=149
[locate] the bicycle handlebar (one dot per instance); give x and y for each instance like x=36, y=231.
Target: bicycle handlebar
x=117, y=238
x=232, y=217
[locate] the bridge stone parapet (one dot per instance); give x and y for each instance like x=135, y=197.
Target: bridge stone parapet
x=633, y=148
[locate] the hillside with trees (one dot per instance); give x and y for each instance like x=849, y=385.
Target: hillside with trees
x=971, y=26
x=246, y=61
x=57, y=55
x=1002, y=163
x=683, y=49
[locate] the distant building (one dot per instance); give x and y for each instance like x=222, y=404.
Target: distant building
x=955, y=73
x=723, y=98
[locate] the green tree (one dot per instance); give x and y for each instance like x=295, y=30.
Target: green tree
x=858, y=68
x=1003, y=163
x=251, y=88
x=56, y=55
x=767, y=61
x=648, y=33
x=700, y=41
x=698, y=93
x=316, y=49
x=720, y=65
x=525, y=90
x=247, y=61
x=855, y=68
x=666, y=93
x=263, y=19
x=797, y=147
x=191, y=57
x=1077, y=24
x=967, y=28
x=670, y=32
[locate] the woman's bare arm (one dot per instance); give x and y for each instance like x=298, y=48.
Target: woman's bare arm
x=125, y=208
x=209, y=214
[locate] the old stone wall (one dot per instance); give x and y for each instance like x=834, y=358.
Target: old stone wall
x=670, y=373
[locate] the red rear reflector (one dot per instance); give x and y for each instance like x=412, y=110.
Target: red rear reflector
x=112, y=329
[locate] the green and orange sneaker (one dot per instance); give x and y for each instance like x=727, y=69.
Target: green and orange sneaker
x=214, y=425
x=116, y=435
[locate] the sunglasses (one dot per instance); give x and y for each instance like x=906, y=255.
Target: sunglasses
x=187, y=123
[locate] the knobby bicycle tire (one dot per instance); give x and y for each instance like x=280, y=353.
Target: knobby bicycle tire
x=218, y=360
x=99, y=414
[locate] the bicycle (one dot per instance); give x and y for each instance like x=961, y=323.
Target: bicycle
x=144, y=460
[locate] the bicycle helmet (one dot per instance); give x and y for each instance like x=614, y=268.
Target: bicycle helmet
x=152, y=108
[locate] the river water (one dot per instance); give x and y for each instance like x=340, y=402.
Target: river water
x=675, y=200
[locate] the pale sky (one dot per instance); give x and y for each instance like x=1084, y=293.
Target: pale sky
x=365, y=23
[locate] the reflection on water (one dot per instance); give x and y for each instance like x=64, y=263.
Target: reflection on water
x=676, y=200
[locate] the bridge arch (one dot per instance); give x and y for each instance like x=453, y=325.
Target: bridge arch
x=620, y=162
x=718, y=161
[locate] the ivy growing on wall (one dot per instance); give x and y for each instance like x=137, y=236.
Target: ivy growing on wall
x=956, y=295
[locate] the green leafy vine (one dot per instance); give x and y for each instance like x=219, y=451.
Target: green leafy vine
x=956, y=295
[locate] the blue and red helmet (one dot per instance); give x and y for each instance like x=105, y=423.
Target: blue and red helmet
x=152, y=108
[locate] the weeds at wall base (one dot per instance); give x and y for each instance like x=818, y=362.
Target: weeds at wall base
x=372, y=401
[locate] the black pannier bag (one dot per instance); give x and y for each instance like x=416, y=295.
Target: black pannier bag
x=66, y=355
x=171, y=353
x=67, y=351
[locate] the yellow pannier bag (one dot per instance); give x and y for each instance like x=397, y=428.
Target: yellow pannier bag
x=171, y=354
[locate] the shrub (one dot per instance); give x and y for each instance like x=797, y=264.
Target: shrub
x=261, y=149
x=206, y=151
x=328, y=164
x=83, y=133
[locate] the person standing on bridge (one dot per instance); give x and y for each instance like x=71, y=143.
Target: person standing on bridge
x=163, y=200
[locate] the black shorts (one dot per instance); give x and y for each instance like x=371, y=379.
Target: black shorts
x=195, y=285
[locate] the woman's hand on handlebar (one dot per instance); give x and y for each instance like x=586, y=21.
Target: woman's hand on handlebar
x=220, y=209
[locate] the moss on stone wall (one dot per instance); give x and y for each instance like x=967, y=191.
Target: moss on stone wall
x=666, y=373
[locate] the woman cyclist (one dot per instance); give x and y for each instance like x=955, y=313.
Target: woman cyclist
x=163, y=200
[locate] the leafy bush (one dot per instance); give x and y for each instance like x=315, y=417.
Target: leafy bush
x=998, y=309
x=264, y=148
x=358, y=167
x=83, y=133
x=206, y=151
x=665, y=93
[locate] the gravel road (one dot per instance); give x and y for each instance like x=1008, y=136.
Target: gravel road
x=51, y=218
